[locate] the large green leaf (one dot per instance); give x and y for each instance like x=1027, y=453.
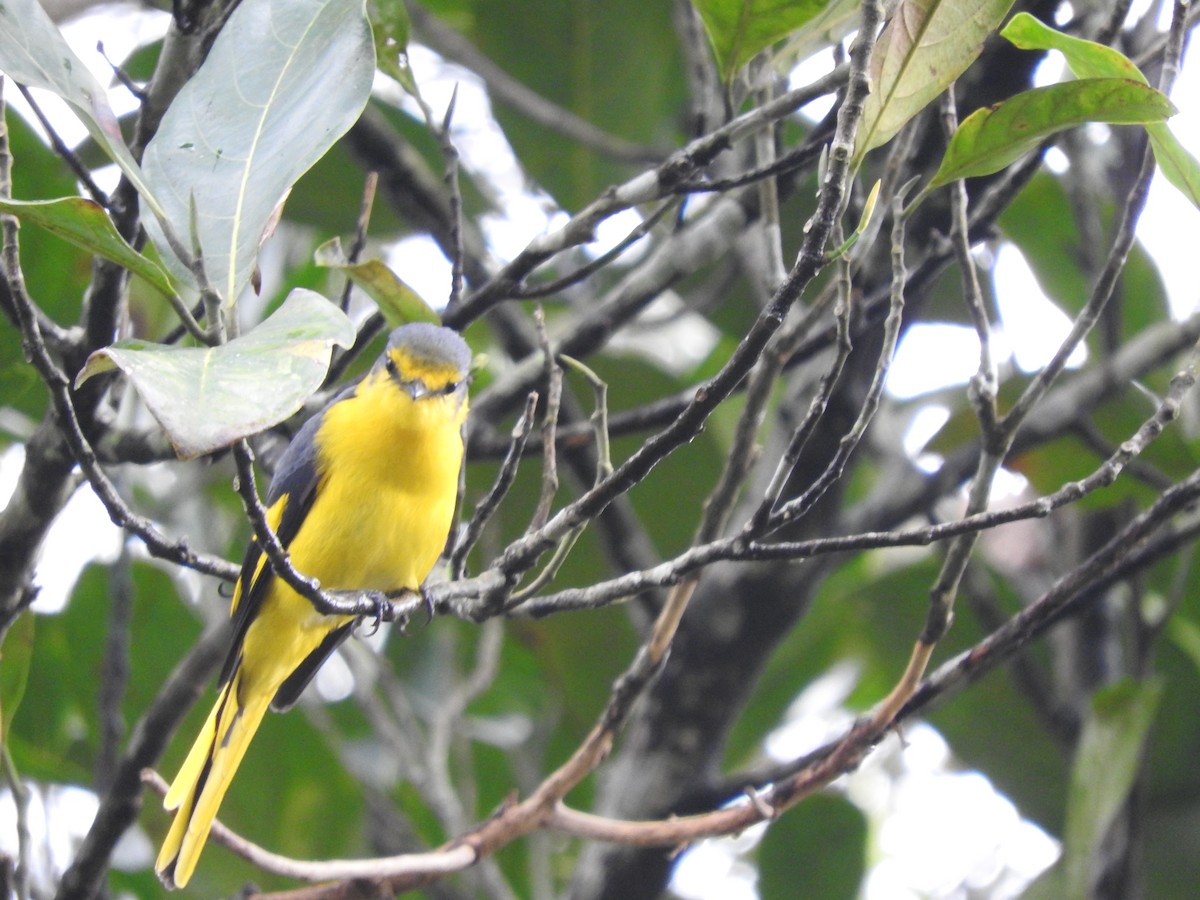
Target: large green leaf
x=85, y=224
x=1088, y=59
x=989, y=139
x=207, y=398
x=924, y=46
x=739, y=29
x=282, y=82
x=34, y=53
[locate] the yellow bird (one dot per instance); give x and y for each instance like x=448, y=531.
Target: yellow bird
x=362, y=499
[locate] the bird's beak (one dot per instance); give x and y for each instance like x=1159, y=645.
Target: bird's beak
x=415, y=388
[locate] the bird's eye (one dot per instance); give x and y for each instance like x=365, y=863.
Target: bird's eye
x=451, y=387
x=392, y=368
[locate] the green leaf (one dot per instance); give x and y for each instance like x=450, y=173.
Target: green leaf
x=1088, y=59
x=1178, y=166
x=925, y=45
x=283, y=99
x=85, y=224
x=396, y=300
x=637, y=100
x=739, y=29
x=15, y=656
x=1186, y=636
x=390, y=27
x=34, y=53
x=989, y=139
x=1107, y=760
x=836, y=19
x=207, y=398
x=817, y=849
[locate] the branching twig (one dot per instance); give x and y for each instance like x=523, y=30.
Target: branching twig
x=558, y=285
x=645, y=188
x=156, y=542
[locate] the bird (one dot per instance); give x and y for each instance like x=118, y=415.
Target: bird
x=363, y=498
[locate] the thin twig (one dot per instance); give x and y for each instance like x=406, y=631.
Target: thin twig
x=120, y=805
x=65, y=153
x=554, y=385
x=454, y=192
x=430, y=864
x=491, y=500
x=519, y=96
x=359, y=243
x=585, y=271
x=648, y=187
x=21, y=797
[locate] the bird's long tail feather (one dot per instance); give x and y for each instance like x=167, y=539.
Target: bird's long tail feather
x=204, y=777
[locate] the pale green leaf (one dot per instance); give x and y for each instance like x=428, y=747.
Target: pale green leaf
x=1186, y=636
x=34, y=53
x=989, y=139
x=834, y=22
x=282, y=83
x=739, y=29
x=1178, y=166
x=1088, y=59
x=85, y=224
x=398, y=302
x=390, y=27
x=1107, y=759
x=16, y=653
x=207, y=398
x=924, y=46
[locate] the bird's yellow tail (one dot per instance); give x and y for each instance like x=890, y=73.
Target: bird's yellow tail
x=204, y=777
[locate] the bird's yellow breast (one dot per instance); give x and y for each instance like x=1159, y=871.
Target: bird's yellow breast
x=388, y=480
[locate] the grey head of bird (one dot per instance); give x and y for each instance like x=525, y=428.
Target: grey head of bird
x=426, y=360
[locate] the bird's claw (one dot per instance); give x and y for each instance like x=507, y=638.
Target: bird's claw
x=379, y=602
x=402, y=620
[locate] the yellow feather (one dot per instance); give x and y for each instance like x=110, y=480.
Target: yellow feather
x=388, y=468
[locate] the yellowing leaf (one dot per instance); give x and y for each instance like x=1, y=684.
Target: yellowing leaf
x=924, y=46
x=398, y=302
